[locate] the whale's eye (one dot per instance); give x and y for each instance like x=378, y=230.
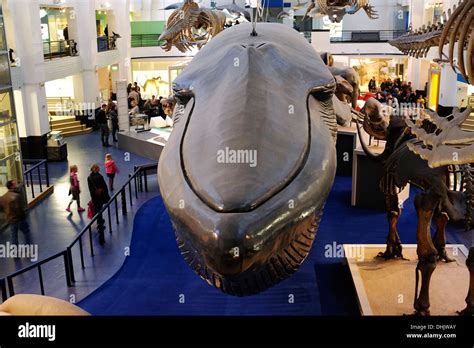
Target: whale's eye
x=325, y=92
x=183, y=95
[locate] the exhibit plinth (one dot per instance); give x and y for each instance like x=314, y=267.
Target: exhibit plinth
x=366, y=175
x=387, y=287
x=146, y=144
x=347, y=142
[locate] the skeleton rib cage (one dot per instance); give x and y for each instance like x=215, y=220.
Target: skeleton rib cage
x=454, y=27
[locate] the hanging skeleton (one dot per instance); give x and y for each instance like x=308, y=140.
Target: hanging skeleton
x=454, y=27
x=190, y=26
x=337, y=9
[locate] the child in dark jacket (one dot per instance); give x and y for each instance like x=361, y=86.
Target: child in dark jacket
x=110, y=169
x=74, y=189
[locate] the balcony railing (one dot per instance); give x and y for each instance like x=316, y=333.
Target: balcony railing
x=106, y=43
x=365, y=35
x=146, y=40
x=137, y=183
x=36, y=177
x=57, y=49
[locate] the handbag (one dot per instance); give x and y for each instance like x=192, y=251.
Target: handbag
x=90, y=210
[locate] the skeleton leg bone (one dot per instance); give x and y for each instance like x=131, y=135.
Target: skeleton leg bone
x=441, y=220
x=469, y=310
x=394, y=245
x=425, y=204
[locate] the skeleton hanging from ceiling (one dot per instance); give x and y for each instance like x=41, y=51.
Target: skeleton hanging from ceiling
x=190, y=26
x=235, y=12
x=454, y=27
x=236, y=230
x=337, y=9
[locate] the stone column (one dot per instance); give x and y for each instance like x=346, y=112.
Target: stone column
x=122, y=105
x=87, y=46
x=31, y=97
x=122, y=27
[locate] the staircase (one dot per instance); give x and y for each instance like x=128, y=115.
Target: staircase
x=68, y=126
x=468, y=124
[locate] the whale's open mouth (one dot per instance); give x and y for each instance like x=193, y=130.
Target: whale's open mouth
x=276, y=267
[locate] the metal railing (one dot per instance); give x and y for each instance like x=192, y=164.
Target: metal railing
x=34, y=179
x=140, y=184
x=58, y=49
x=3, y=289
x=146, y=40
x=365, y=35
x=106, y=43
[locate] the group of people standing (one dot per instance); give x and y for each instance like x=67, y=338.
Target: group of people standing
x=396, y=91
x=151, y=107
x=14, y=204
x=107, y=121
x=98, y=190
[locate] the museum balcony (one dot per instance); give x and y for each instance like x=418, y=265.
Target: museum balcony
x=106, y=43
x=356, y=36
x=59, y=49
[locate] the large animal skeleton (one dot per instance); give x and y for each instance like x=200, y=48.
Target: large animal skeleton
x=235, y=10
x=437, y=201
x=251, y=160
x=190, y=26
x=347, y=89
x=337, y=9
x=454, y=27
x=448, y=144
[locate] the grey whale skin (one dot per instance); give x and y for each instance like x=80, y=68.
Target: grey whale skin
x=244, y=228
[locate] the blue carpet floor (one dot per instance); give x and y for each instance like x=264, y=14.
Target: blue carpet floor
x=155, y=280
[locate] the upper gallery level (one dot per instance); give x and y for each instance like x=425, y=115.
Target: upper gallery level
x=66, y=37
x=50, y=39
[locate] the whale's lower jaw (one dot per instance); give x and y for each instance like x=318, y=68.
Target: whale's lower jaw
x=276, y=268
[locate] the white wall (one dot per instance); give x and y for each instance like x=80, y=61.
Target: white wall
x=108, y=58
x=448, y=83
x=388, y=17
x=60, y=88
x=60, y=68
